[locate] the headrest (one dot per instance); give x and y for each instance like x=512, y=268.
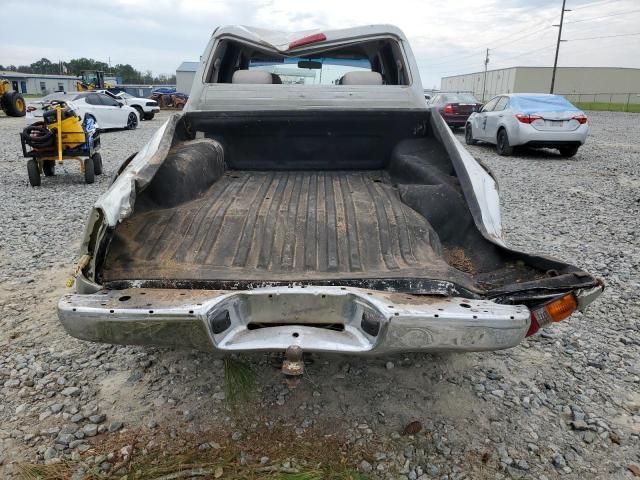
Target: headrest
x=251, y=76
x=361, y=78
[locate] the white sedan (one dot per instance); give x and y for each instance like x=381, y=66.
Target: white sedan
x=531, y=120
x=106, y=112
x=146, y=107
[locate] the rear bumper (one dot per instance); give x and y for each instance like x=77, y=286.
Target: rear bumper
x=321, y=319
x=529, y=136
x=456, y=120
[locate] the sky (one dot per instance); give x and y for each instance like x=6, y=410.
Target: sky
x=448, y=37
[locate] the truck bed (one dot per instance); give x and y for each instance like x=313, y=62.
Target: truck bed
x=281, y=225
x=365, y=200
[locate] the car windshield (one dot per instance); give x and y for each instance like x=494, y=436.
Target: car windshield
x=124, y=95
x=541, y=103
x=461, y=98
x=310, y=71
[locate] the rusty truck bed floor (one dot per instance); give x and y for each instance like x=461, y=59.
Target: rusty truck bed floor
x=280, y=226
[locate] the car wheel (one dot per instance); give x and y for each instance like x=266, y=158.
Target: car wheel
x=49, y=168
x=502, y=144
x=132, y=121
x=34, y=173
x=468, y=135
x=140, y=111
x=149, y=116
x=97, y=163
x=568, y=152
x=89, y=173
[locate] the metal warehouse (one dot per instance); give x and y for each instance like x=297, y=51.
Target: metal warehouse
x=39, y=84
x=598, y=84
x=184, y=76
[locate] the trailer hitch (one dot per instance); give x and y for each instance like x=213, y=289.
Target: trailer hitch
x=293, y=365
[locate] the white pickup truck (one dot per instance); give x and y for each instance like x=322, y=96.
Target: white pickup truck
x=306, y=197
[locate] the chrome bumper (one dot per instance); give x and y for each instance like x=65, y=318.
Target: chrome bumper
x=321, y=319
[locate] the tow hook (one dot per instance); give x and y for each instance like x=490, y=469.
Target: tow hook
x=293, y=365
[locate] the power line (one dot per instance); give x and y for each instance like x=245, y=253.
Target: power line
x=493, y=46
x=596, y=4
x=604, y=16
x=603, y=36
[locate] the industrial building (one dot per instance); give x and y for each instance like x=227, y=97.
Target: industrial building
x=39, y=84
x=597, y=84
x=184, y=76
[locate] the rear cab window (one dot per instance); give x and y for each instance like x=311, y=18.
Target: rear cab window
x=368, y=62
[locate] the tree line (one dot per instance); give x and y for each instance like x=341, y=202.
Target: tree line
x=76, y=66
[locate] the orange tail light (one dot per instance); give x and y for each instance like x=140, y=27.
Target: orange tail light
x=553, y=311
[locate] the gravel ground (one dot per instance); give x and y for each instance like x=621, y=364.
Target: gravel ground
x=564, y=403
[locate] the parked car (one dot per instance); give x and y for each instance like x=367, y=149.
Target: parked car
x=455, y=108
x=335, y=216
x=105, y=110
x=529, y=120
x=146, y=107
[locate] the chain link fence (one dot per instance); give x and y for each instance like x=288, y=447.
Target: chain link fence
x=614, y=102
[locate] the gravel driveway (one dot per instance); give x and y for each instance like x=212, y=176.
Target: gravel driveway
x=564, y=403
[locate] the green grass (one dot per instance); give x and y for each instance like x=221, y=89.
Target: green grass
x=609, y=107
x=239, y=382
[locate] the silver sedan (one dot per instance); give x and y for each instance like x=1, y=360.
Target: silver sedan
x=530, y=120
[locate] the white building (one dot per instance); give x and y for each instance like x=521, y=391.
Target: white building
x=597, y=84
x=184, y=76
x=38, y=84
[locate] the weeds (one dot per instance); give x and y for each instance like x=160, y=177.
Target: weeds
x=239, y=382
x=155, y=455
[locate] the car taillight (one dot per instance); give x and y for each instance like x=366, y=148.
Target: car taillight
x=582, y=119
x=527, y=118
x=448, y=108
x=554, y=311
x=31, y=109
x=316, y=37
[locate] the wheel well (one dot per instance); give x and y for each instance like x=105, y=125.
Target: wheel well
x=139, y=108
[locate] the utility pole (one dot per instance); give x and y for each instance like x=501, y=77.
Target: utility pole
x=555, y=62
x=484, y=80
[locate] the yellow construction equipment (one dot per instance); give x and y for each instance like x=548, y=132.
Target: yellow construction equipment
x=12, y=103
x=67, y=125
x=61, y=136
x=92, y=80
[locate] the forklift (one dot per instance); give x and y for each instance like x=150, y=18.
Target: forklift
x=12, y=103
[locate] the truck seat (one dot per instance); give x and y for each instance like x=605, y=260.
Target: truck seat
x=251, y=76
x=361, y=78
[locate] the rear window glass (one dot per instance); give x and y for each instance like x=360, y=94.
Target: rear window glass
x=461, y=98
x=310, y=71
x=542, y=103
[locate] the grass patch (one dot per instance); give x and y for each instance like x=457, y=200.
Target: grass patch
x=239, y=382
x=609, y=107
x=311, y=456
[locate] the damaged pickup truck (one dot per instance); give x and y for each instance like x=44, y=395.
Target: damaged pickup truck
x=307, y=197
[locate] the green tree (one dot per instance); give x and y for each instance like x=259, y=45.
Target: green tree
x=45, y=66
x=78, y=65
